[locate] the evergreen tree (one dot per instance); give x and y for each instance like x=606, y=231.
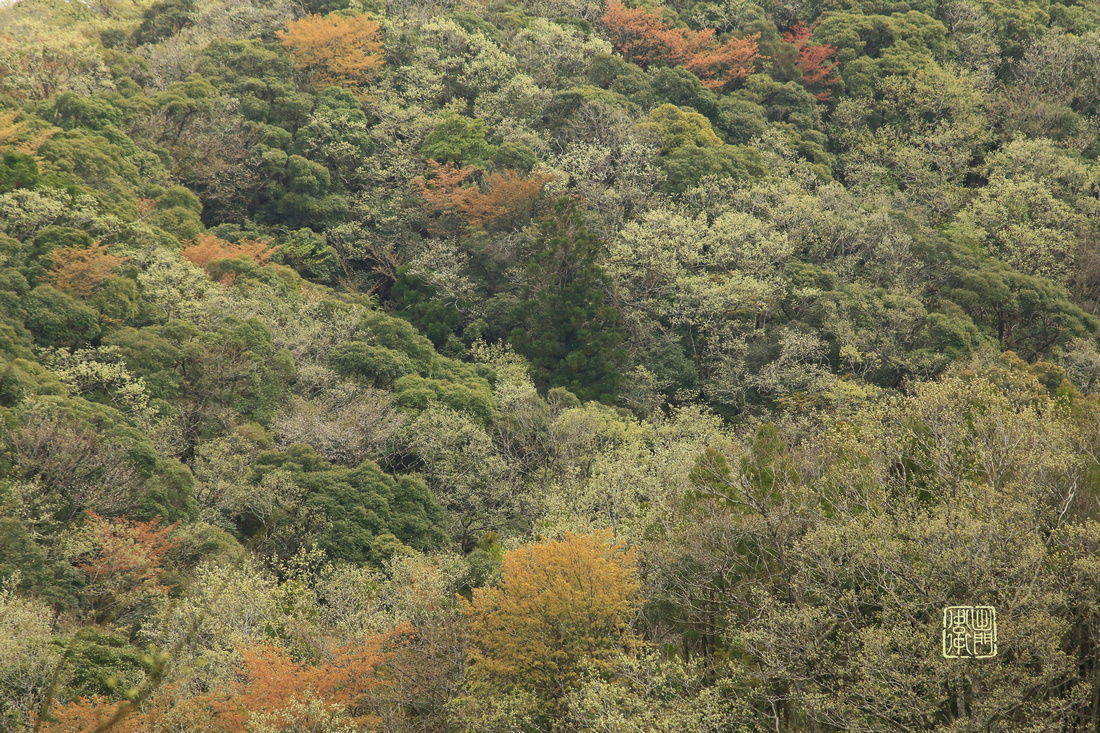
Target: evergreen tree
x=568, y=329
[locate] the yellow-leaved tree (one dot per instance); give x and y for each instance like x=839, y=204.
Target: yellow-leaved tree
x=336, y=50
x=562, y=609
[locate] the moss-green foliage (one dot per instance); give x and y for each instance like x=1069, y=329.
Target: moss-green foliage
x=103, y=663
x=567, y=328
x=472, y=396
x=17, y=171
x=418, y=305
x=359, y=507
x=458, y=140
x=378, y=364
x=39, y=574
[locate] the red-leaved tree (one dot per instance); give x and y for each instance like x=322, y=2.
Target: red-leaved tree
x=814, y=61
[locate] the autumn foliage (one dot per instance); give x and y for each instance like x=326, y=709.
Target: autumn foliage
x=813, y=61
x=645, y=38
x=563, y=604
x=274, y=688
x=503, y=200
x=275, y=680
x=336, y=50
x=80, y=271
x=123, y=563
x=207, y=249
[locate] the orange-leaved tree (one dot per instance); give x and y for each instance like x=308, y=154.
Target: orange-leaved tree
x=275, y=691
x=336, y=50
x=814, y=61
x=645, y=38
x=123, y=563
x=562, y=607
x=343, y=683
x=504, y=200
x=719, y=65
x=206, y=249
x=80, y=271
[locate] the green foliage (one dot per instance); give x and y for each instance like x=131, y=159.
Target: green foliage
x=103, y=663
x=568, y=330
x=378, y=364
x=163, y=19
x=458, y=139
x=56, y=319
x=418, y=305
x=18, y=171
x=38, y=574
x=355, y=509
x=471, y=396
x=310, y=255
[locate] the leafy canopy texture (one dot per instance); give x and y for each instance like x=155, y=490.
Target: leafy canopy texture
x=335, y=50
x=646, y=38
x=562, y=606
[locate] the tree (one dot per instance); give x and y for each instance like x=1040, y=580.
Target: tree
x=27, y=658
x=644, y=37
x=343, y=682
x=38, y=62
x=813, y=60
x=562, y=606
x=473, y=483
x=503, y=201
x=719, y=66
x=17, y=171
x=207, y=249
x=355, y=513
x=82, y=271
x=334, y=49
x=569, y=331
x=458, y=139
x=123, y=564
x=164, y=19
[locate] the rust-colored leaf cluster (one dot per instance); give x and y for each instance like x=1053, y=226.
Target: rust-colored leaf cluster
x=501, y=200
x=813, y=60
x=645, y=38
x=207, y=249
x=81, y=271
x=124, y=563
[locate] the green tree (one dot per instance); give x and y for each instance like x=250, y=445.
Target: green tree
x=458, y=139
x=354, y=512
x=567, y=327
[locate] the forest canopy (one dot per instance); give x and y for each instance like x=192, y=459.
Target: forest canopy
x=548, y=365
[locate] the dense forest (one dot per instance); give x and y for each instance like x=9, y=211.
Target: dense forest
x=548, y=365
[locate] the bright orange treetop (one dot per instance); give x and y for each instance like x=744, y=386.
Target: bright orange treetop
x=336, y=50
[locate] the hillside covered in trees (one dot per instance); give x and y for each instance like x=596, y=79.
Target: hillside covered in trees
x=548, y=366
